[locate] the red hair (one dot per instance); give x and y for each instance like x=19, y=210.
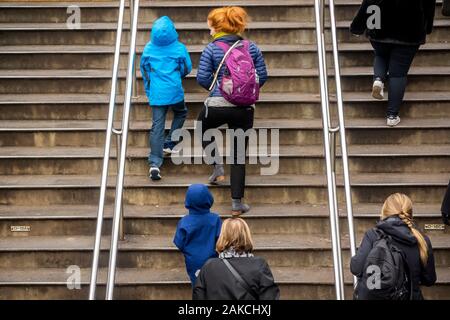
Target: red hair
x=228, y=19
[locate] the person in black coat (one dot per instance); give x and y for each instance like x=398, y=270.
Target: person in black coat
x=445, y=209
x=216, y=282
x=397, y=221
x=446, y=8
x=396, y=29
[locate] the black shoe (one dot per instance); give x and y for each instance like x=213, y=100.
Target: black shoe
x=155, y=174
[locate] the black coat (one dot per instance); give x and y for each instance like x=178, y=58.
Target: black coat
x=446, y=8
x=402, y=21
x=216, y=282
x=445, y=209
x=405, y=241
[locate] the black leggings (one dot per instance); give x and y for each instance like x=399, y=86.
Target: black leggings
x=235, y=118
x=395, y=60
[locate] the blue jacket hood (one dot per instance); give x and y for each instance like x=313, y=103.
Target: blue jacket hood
x=163, y=32
x=199, y=199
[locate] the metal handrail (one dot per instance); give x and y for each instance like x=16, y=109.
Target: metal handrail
x=122, y=138
x=123, y=153
x=330, y=142
x=343, y=139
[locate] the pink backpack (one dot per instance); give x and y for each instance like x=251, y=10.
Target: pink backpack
x=240, y=83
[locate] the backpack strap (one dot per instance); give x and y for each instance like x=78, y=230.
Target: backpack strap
x=241, y=280
x=222, y=45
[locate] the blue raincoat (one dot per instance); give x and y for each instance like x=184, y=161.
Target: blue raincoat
x=164, y=63
x=197, y=232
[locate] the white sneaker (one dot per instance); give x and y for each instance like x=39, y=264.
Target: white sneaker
x=392, y=121
x=170, y=151
x=378, y=90
x=154, y=174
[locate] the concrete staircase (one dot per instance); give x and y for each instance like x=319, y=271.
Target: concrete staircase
x=54, y=91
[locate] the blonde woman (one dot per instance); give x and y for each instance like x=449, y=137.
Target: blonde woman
x=237, y=274
x=397, y=222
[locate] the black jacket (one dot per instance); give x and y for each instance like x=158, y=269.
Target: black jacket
x=446, y=8
x=405, y=241
x=402, y=21
x=216, y=282
x=445, y=209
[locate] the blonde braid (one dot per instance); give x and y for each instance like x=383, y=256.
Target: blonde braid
x=423, y=247
x=406, y=218
x=401, y=205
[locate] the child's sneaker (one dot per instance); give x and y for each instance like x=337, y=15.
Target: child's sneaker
x=169, y=148
x=154, y=174
x=392, y=121
x=378, y=89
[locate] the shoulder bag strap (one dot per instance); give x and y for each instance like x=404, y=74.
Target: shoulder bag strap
x=216, y=75
x=241, y=280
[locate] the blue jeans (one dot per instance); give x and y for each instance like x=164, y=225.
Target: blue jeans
x=158, y=140
x=392, y=61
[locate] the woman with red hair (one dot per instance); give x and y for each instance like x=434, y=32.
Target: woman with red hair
x=227, y=25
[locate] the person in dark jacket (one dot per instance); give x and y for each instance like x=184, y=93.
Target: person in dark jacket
x=216, y=282
x=445, y=209
x=198, y=231
x=164, y=63
x=226, y=25
x=446, y=8
x=397, y=221
x=396, y=29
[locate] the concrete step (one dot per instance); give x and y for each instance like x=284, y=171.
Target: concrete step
x=286, y=56
x=262, y=32
x=178, y=10
x=286, y=80
x=417, y=105
x=150, y=10
x=140, y=283
x=278, y=189
x=159, y=252
x=46, y=133
x=74, y=220
x=292, y=160
x=151, y=251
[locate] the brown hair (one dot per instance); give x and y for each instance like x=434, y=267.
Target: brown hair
x=235, y=233
x=401, y=205
x=228, y=19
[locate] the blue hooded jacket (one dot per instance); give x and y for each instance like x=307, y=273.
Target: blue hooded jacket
x=164, y=63
x=197, y=232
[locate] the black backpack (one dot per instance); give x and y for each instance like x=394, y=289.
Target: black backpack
x=386, y=274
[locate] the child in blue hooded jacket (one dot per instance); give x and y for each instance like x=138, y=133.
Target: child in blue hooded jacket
x=164, y=63
x=197, y=232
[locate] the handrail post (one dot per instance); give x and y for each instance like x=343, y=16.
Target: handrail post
x=344, y=152
x=106, y=155
x=331, y=182
x=118, y=134
x=122, y=157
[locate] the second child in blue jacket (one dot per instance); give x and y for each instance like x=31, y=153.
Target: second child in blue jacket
x=197, y=232
x=164, y=63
